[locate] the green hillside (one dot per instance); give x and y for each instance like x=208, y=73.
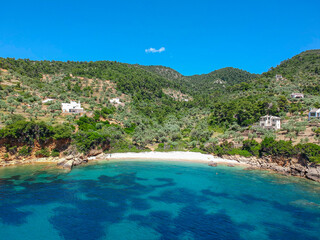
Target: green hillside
x=163, y=71
x=205, y=83
x=306, y=63
x=159, y=108
x=219, y=79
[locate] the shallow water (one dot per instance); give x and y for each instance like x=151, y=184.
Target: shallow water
x=155, y=200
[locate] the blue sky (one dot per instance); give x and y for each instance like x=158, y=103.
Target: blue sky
x=194, y=36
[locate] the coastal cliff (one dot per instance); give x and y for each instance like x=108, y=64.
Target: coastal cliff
x=14, y=150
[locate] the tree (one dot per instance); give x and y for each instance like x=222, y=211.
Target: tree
x=283, y=103
x=11, y=110
x=24, y=108
x=251, y=146
x=3, y=105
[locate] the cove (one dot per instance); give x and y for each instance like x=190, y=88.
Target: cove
x=155, y=200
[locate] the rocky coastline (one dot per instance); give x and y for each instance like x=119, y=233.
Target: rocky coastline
x=293, y=167
x=67, y=162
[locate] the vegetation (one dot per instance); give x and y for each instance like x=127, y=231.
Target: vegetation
x=218, y=112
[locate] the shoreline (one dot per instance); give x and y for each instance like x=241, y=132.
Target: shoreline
x=172, y=156
x=310, y=171
x=180, y=156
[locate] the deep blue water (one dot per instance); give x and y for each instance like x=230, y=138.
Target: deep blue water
x=155, y=200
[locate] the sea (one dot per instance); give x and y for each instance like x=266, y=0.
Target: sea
x=155, y=200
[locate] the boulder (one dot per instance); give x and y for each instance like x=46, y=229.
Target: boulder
x=95, y=152
x=64, y=163
x=68, y=164
x=77, y=161
x=61, y=161
x=212, y=164
x=69, y=157
x=313, y=173
x=298, y=170
x=278, y=168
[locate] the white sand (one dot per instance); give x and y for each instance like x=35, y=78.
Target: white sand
x=180, y=156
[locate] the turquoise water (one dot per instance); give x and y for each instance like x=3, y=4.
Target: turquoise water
x=155, y=200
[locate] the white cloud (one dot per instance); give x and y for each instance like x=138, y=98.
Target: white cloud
x=153, y=50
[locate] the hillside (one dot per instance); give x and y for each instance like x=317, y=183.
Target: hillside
x=219, y=79
x=159, y=108
x=205, y=83
x=302, y=71
x=304, y=63
x=163, y=71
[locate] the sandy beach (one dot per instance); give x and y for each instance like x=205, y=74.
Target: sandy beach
x=171, y=156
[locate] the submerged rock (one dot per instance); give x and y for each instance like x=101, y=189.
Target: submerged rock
x=64, y=163
x=68, y=164
x=70, y=161
x=212, y=164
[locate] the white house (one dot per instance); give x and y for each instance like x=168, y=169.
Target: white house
x=314, y=113
x=279, y=77
x=297, y=95
x=115, y=100
x=72, y=107
x=270, y=122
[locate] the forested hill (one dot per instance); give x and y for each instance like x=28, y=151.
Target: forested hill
x=163, y=71
x=305, y=63
x=129, y=79
x=220, y=79
x=159, y=107
x=205, y=83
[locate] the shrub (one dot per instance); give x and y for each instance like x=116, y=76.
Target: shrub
x=63, y=131
x=165, y=147
x=197, y=150
x=315, y=159
x=237, y=151
x=43, y=153
x=55, y=153
x=130, y=130
x=27, y=132
x=317, y=132
x=25, y=151
x=269, y=146
x=224, y=148
x=13, y=149
x=252, y=146
x=309, y=151
x=85, y=141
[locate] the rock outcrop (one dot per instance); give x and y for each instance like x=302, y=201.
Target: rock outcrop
x=294, y=167
x=67, y=162
x=70, y=161
x=212, y=164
